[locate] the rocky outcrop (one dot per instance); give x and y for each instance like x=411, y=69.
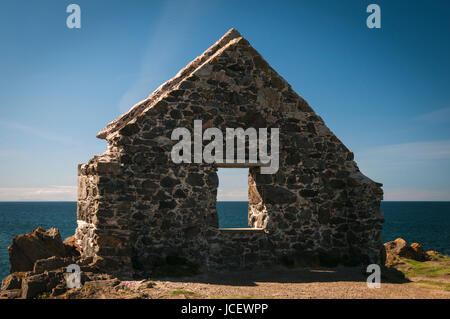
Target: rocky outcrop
x=433, y=253
x=39, y=244
x=71, y=247
x=35, y=284
x=419, y=253
x=13, y=281
x=397, y=249
x=52, y=263
x=39, y=263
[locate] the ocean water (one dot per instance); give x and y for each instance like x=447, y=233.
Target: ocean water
x=427, y=223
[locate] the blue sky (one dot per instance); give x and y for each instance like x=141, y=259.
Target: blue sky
x=384, y=92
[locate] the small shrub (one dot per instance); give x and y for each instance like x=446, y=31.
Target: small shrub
x=43, y=295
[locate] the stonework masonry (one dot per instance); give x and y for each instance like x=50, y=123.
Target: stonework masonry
x=137, y=208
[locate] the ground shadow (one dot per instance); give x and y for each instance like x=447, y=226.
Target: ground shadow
x=286, y=275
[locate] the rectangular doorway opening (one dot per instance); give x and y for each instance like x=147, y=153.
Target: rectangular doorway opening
x=232, y=197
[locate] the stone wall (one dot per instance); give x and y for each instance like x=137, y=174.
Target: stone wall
x=102, y=211
x=136, y=206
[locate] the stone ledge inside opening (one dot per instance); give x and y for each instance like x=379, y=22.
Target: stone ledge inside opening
x=242, y=230
x=246, y=164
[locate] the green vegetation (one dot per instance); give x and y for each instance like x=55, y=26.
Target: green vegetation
x=412, y=268
x=440, y=258
x=43, y=295
x=432, y=274
x=178, y=292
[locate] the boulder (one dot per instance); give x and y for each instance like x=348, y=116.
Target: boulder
x=58, y=290
x=11, y=294
x=33, y=285
x=13, y=281
x=419, y=253
x=71, y=246
x=38, y=244
x=433, y=254
x=52, y=263
x=394, y=250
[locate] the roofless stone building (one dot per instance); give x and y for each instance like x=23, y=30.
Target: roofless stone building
x=136, y=207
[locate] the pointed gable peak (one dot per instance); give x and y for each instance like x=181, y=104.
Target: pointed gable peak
x=232, y=33
x=228, y=41
x=154, y=97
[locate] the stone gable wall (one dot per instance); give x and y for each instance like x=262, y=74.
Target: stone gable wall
x=136, y=206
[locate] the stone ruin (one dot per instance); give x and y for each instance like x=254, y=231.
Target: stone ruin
x=137, y=208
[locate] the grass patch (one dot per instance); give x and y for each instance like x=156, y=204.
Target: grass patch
x=413, y=268
x=178, y=292
x=440, y=258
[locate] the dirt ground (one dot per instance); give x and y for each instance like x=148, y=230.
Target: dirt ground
x=341, y=282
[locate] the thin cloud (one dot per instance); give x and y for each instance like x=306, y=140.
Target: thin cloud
x=437, y=116
x=409, y=171
x=407, y=152
x=44, y=134
x=50, y=193
x=170, y=42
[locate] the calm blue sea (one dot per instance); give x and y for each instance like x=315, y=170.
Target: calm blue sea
x=427, y=223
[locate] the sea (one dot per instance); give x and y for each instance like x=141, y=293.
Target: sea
x=427, y=223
